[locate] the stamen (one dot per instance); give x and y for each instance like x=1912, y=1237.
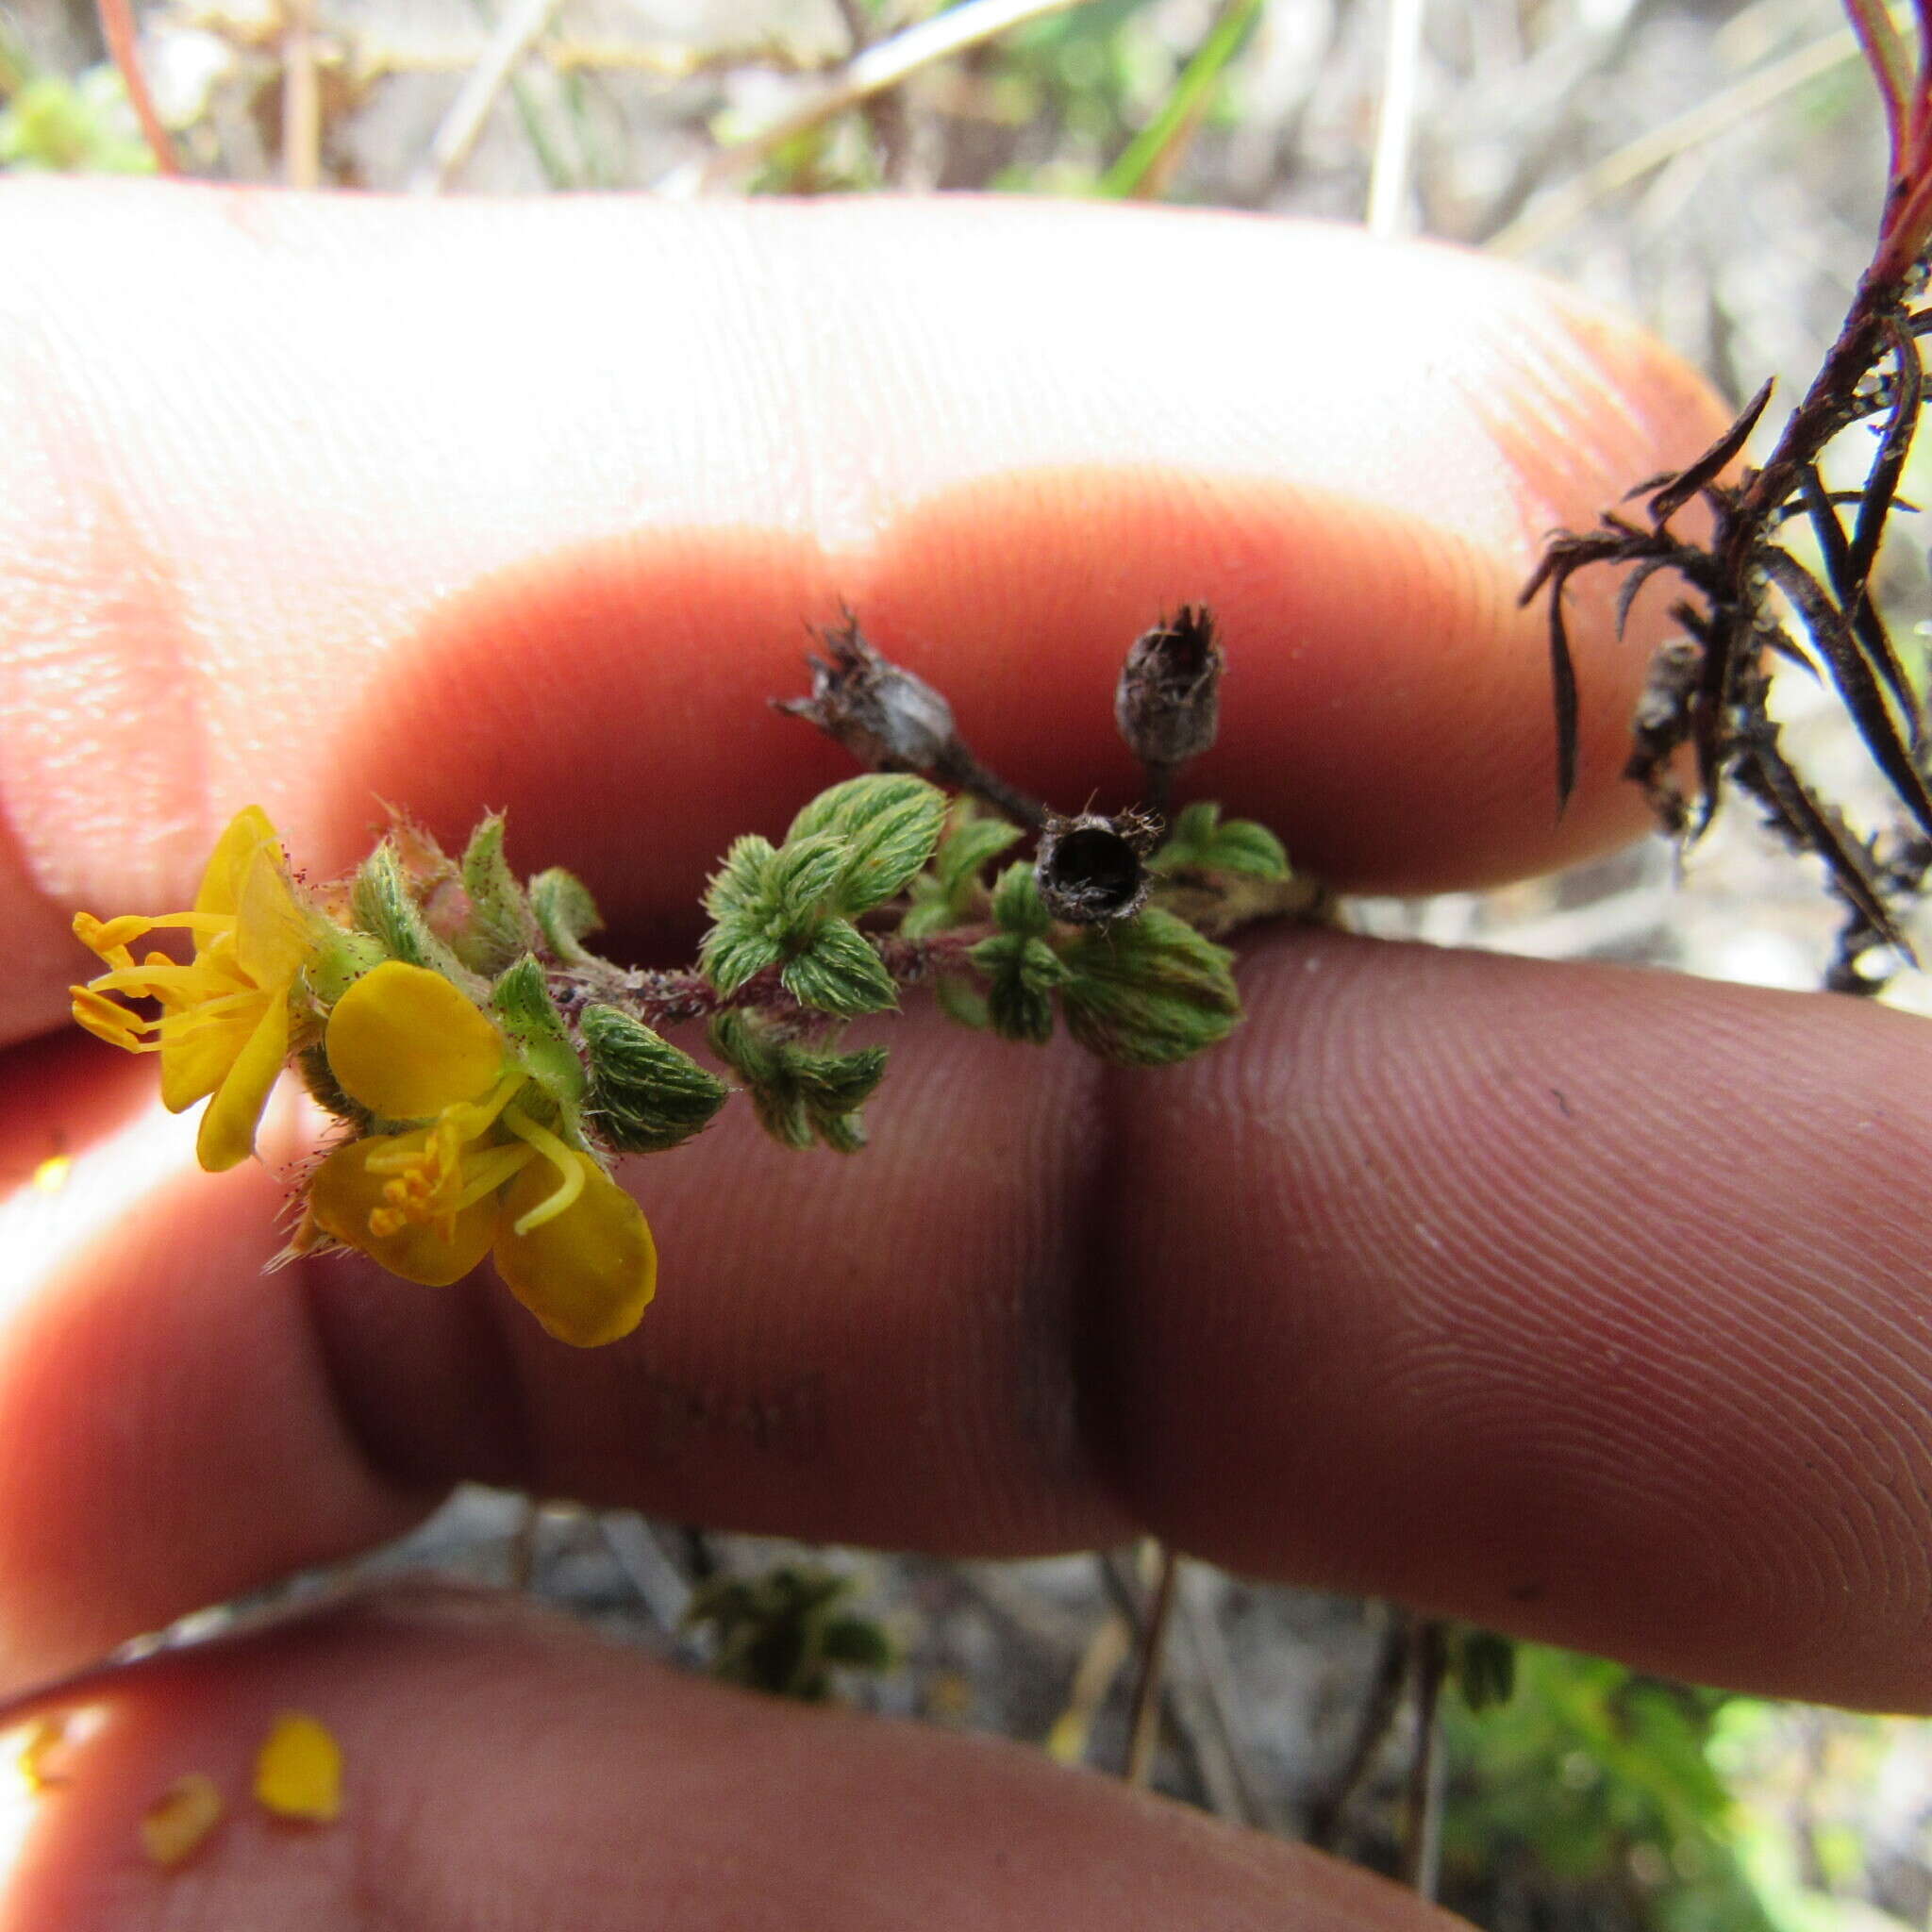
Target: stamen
x=108, y=1020
x=563, y=1158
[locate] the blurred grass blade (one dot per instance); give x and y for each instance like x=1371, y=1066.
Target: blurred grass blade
x=1146, y=167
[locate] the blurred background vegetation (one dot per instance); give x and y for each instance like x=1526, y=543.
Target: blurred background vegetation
x=1713, y=168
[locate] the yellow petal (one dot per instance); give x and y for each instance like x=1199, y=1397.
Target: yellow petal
x=588, y=1274
x=197, y=1053
x=344, y=1194
x=247, y=832
x=180, y=1817
x=272, y=936
x=299, y=1772
x=227, y=1136
x=405, y=1043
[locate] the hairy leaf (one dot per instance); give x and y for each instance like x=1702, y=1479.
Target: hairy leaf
x=529, y=1016
x=644, y=1093
x=565, y=914
x=889, y=822
x=1148, y=991
x=838, y=973
x=499, y=925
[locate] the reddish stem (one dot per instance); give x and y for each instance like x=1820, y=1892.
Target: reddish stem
x=117, y=30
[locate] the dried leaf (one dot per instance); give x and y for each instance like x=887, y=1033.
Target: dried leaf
x=1895, y=444
x=1856, y=685
x=177, y=1824
x=1712, y=463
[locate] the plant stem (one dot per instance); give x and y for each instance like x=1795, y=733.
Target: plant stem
x=1143, y=1729
x=117, y=30
x=1422, y=1828
x=1371, y=1728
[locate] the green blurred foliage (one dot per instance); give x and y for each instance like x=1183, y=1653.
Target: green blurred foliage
x=52, y=124
x=1600, y=1779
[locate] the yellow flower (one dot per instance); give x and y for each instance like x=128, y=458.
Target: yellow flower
x=479, y=1173
x=224, y=1026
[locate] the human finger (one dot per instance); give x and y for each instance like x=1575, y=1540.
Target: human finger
x=1580, y=1303
x=505, y=1767
x=371, y=503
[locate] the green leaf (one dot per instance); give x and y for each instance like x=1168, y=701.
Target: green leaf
x=801, y=1093
x=951, y=893
x=1020, y=975
x=1485, y=1667
x=644, y=1093
x=856, y=1642
x=836, y=1083
x=803, y=877
x=1246, y=847
x=931, y=912
x=1017, y=905
x=733, y=952
x=741, y=887
x=565, y=914
x=970, y=844
x=1146, y=154
x=384, y=905
x=838, y=973
x=500, y=925
x=959, y=1001
x=1200, y=842
x=529, y=1016
x=1148, y=991
x=889, y=823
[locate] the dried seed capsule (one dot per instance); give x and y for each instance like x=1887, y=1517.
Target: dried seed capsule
x=1091, y=869
x=1168, y=702
x=888, y=719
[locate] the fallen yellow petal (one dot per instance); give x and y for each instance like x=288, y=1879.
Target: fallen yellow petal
x=180, y=1818
x=299, y=1772
x=45, y=1736
x=51, y=1176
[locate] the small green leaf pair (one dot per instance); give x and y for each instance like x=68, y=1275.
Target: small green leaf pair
x=1144, y=991
x=802, y=1094
x=1201, y=843
x=792, y=907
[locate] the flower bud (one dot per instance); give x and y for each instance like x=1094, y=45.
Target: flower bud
x=1168, y=702
x=1091, y=869
x=888, y=719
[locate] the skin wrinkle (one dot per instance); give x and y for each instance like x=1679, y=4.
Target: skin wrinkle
x=1719, y=1437
x=1695, y=1397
